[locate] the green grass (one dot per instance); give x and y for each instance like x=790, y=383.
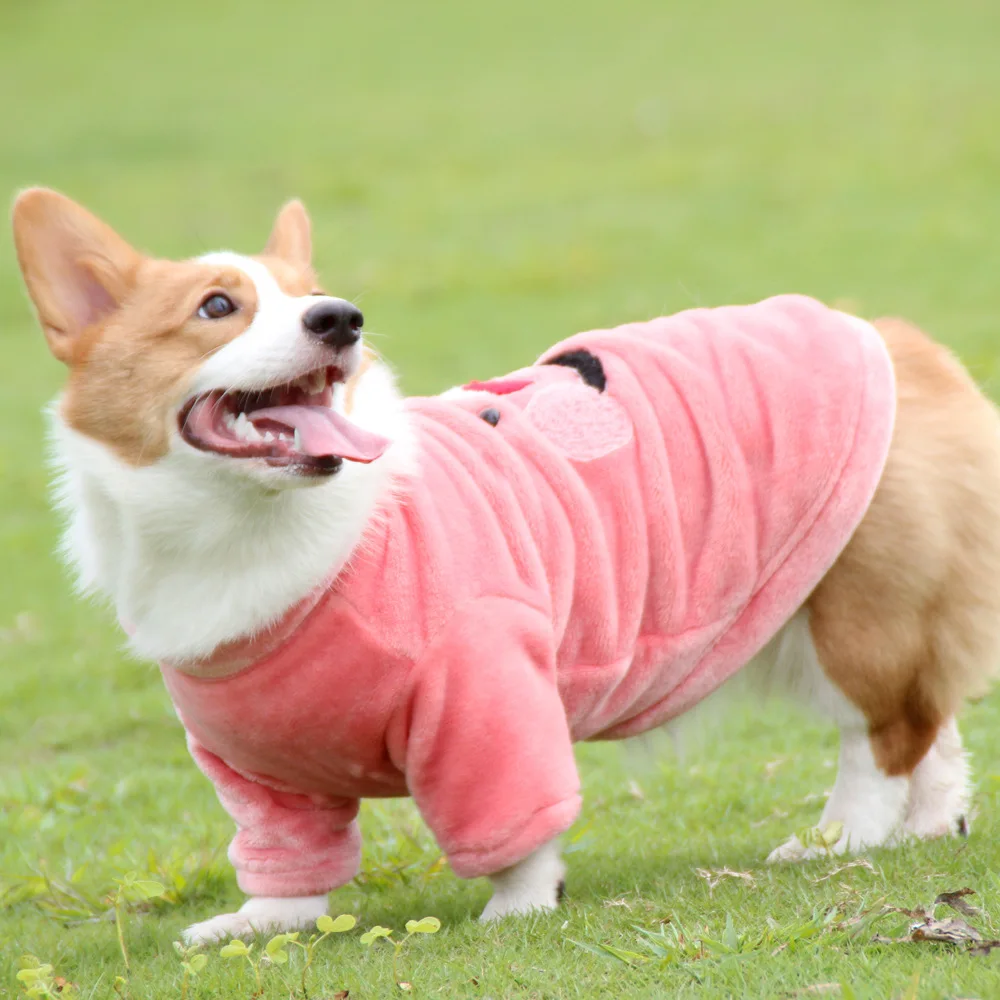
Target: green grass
x=484, y=179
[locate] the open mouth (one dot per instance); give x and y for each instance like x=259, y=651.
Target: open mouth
x=291, y=425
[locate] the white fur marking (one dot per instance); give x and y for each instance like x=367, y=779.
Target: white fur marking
x=275, y=347
x=197, y=549
x=259, y=914
x=939, y=788
x=531, y=884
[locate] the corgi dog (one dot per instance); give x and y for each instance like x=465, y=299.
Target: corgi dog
x=352, y=594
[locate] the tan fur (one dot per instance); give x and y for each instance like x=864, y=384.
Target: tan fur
x=288, y=253
x=129, y=367
x=907, y=622
x=77, y=269
x=128, y=374
x=291, y=236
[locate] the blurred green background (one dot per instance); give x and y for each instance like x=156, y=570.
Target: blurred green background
x=484, y=179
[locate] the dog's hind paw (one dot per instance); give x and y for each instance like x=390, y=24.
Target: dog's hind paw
x=794, y=850
x=259, y=914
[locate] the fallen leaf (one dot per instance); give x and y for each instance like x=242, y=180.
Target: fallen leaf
x=984, y=947
x=859, y=863
x=824, y=838
x=635, y=791
x=405, y=986
x=929, y=928
x=951, y=931
x=956, y=900
x=713, y=878
x=618, y=902
x=342, y=995
x=815, y=989
x=920, y=913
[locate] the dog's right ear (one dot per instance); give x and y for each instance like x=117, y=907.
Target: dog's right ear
x=76, y=268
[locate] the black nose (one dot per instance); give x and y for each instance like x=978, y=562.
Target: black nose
x=335, y=322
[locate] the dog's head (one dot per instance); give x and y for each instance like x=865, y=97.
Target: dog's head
x=221, y=361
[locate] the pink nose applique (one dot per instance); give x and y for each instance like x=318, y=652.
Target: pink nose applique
x=584, y=423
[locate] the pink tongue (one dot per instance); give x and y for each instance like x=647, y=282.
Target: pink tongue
x=322, y=432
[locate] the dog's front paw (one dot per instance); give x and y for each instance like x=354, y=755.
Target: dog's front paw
x=509, y=904
x=259, y=914
x=533, y=884
x=220, y=928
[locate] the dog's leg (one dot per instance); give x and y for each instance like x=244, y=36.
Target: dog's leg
x=866, y=799
x=284, y=841
x=870, y=804
x=263, y=914
x=906, y=623
x=939, y=790
x=536, y=883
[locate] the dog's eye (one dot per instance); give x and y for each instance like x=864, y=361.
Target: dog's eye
x=216, y=306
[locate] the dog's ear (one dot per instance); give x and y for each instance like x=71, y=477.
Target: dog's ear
x=76, y=268
x=291, y=237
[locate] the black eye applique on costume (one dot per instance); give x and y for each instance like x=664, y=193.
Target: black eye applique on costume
x=588, y=365
x=491, y=416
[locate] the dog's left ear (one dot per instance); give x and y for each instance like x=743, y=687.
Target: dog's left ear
x=291, y=237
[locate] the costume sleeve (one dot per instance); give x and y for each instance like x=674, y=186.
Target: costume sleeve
x=488, y=755
x=287, y=844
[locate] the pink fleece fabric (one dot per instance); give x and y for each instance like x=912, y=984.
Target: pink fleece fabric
x=589, y=567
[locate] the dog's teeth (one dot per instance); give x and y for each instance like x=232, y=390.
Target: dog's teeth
x=244, y=429
x=230, y=419
x=319, y=380
x=297, y=440
x=268, y=436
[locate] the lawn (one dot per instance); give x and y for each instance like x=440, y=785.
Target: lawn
x=484, y=179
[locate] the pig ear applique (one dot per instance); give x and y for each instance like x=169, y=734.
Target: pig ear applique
x=579, y=420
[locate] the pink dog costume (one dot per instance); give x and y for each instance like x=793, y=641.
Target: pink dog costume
x=586, y=561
